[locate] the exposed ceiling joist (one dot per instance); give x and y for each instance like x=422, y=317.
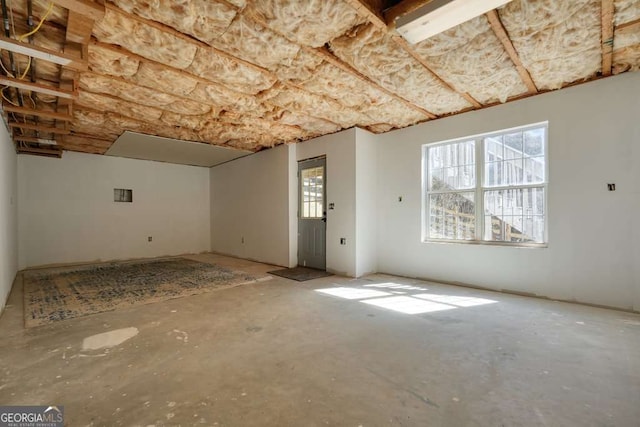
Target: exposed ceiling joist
x=332, y=59
x=46, y=152
x=37, y=87
x=501, y=33
x=39, y=128
x=379, y=22
x=401, y=9
x=628, y=27
x=39, y=113
x=407, y=47
x=60, y=58
x=367, y=10
x=362, y=7
x=79, y=28
x=172, y=31
x=607, y=36
x=92, y=9
x=30, y=139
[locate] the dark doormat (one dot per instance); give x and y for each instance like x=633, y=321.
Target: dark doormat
x=301, y=274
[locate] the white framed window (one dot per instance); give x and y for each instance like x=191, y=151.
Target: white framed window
x=489, y=188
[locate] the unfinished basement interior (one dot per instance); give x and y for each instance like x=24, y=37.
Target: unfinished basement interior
x=320, y=212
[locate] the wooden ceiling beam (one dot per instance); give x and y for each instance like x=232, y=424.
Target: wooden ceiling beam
x=199, y=43
x=79, y=28
x=73, y=135
x=39, y=113
x=60, y=58
x=49, y=152
x=407, y=47
x=39, y=128
x=202, y=80
x=379, y=22
x=503, y=36
x=401, y=9
x=606, y=14
x=364, y=8
x=332, y=59
x=628, y=27
x=37, y=87
x=27, y=139
x=92, y=9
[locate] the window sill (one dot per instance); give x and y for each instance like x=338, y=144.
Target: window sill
x=484, y=243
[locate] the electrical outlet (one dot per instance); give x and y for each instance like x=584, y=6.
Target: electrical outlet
x=343, y=240
x=611, y=187
x=150, y=238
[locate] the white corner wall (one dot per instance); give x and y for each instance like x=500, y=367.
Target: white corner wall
x=366, y=203
x=67, y=213
x=340, y=151
x=250, y=207
x=594, y=235
x=8, y=215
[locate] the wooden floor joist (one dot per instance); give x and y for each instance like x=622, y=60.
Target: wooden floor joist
x=48, y=152
x=607, y=36
x=39, y=128
x=39, y=113
x=377, y=21
x=503, y=36
x=332, y=59
x=89, y=8
x=37, y=87
x=28, y=139
x=202, y=80
x=403, y=8
x=407, y=47
x=60, y=58
x=631, y=26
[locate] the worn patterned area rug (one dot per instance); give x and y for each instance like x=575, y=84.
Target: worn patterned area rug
x=68, y=292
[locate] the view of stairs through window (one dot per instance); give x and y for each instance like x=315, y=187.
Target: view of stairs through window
x=512, y=190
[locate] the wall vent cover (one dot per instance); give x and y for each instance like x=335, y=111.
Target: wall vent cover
x=122, y=195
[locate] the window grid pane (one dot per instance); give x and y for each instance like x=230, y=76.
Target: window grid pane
x=452, y=216
x=452, y=166
x=312, y=192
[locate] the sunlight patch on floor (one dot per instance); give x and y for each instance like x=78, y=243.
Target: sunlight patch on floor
x=404, y=299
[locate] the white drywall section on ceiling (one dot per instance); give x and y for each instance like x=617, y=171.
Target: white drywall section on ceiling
x=148, y=147
x=594, y=237
x=8, y=215
x=67, y=212
x=366, y=203
x=340, y=151
x=250, y=207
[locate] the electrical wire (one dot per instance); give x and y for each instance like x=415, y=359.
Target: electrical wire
x=5, y=69
x=37, y=28
x=21, y=38
x=7, y=99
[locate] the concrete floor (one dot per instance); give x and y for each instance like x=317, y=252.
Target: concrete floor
x=279, y=353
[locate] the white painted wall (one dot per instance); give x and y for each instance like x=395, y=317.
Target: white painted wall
x=67, y=212
x=366, y=203
x=250, y=200
x=340, y=150
x=594, y=236
x=293, y=205
x=8, y=215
